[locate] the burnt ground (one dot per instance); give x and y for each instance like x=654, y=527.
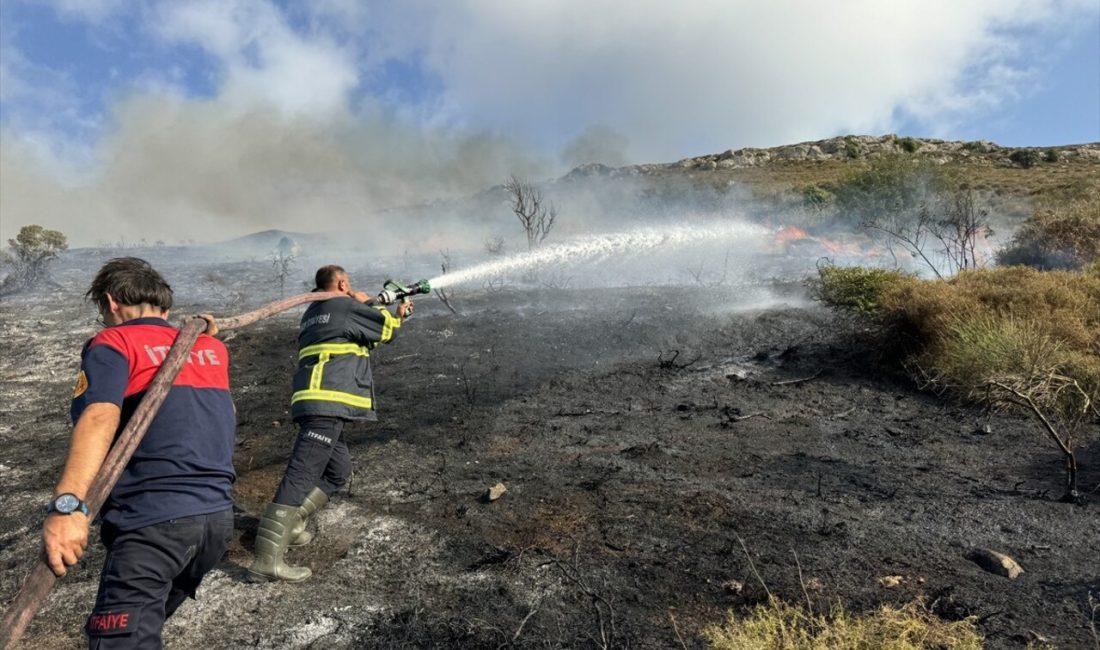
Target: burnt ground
x=650, y=450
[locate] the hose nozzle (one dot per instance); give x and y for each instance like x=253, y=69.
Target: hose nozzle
x=393, y=292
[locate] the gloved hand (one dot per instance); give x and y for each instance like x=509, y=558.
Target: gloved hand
x=211, y=324
x=387, y=297
x=405, y=309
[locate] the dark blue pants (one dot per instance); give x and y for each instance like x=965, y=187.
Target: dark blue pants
x=320, y=459
x=147, y=575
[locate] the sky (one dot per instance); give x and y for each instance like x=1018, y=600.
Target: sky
x=177, y=119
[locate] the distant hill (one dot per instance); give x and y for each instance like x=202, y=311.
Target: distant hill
x=1016, y=170
x=761, y=180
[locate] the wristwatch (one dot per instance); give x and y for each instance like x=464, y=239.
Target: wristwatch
x=67, y=504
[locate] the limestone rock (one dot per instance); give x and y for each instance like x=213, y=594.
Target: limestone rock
x=495, y=492
x=995, y=562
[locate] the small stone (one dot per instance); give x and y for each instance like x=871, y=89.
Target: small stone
x=276, y=424
x=995, y=562
x=734, y=586
x=814, y=584
x=495, y=492
x=891, y=581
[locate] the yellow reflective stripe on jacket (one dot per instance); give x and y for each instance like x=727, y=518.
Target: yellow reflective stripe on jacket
x=319, y=370
x=389, y=325
x=332, y=349
x=332, y=396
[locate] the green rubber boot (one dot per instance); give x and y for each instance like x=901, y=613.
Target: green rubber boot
x=315, y=500
x=272, y=539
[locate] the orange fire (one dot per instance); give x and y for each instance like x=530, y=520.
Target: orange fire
x=788, y=234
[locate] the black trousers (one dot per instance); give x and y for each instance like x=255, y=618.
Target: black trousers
x=320, y=459
x=147, y=575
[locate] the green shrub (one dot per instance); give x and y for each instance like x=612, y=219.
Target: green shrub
x=852, y=148
x=891, y=184
x=1025, y=158
x=815, y=197
x=781, y=626
x=855, y=288
x=1051, y=156
x=909, y=145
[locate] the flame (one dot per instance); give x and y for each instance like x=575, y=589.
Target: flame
x=788, y=234
x=841, y=248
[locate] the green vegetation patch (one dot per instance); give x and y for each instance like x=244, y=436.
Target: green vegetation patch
x=781, y=626
x=1001, y=337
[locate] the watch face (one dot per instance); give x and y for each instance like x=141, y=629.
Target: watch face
x=66, y=503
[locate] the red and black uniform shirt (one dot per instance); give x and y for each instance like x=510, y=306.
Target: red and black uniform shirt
x=184, y=464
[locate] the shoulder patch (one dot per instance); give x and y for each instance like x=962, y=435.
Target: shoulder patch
x=81, y=385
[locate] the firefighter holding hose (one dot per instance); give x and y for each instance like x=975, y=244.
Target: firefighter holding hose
x=168, y=519
x=332, y=386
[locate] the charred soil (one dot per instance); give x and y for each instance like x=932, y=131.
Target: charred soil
x=658, y=454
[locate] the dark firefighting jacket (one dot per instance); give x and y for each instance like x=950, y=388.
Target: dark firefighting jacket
x=333, y=378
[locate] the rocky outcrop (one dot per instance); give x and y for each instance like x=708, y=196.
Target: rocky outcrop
x=855, y=147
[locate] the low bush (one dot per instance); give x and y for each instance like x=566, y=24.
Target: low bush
x=855, y=288
x=816, y=198
x=1026, y=158
x=852, y=148
x=1062, y=236
x=1001, y=337
x=781, y=626
x=909, y=145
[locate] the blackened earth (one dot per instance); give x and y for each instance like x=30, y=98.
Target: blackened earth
x=664, y=453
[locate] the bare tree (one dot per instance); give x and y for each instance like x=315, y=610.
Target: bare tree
x=943, y=235
x=442, y=294
x=283, y=261
x=536, y=217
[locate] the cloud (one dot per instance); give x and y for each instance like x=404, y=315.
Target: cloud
x=692, y=77
x=290, y=135
x=264, y=60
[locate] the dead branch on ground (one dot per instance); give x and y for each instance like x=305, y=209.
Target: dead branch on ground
x=802, y=380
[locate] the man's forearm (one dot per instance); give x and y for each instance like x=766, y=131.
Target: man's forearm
x=92, y=437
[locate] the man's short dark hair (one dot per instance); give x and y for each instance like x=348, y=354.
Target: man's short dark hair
x=326, y=276
x=130, y=281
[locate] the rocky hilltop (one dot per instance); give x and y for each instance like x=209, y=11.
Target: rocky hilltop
x=854, y=147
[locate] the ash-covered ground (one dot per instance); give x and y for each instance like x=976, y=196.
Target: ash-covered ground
x=659, y=451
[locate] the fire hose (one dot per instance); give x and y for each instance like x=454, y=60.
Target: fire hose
x=41, y=579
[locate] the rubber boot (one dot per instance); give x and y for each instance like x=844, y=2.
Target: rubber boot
x=272, y=539
x=314, y=501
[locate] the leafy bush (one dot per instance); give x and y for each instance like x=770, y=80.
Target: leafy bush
x=1025, y=158
x=781, y=626
x=855, y=288
x=815, y=197
x=1064, y=236
x=909, y=145
x=852, y=148
x=891, y=184
x=1051, y=155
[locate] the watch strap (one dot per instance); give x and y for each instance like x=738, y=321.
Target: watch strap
x=81, y=506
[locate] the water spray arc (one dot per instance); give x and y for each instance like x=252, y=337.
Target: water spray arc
x=607, y=245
